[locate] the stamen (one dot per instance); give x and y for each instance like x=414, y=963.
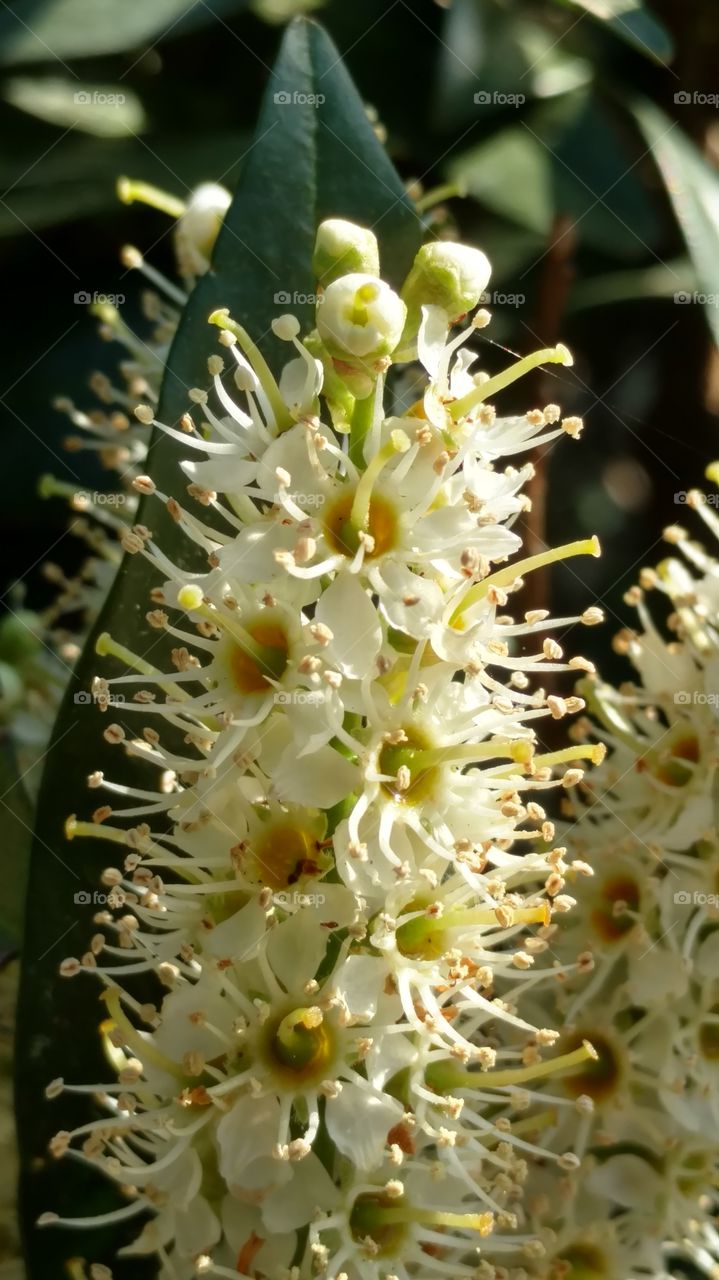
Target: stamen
x=145, y=1050
x=547, y=355
x=130, y=190
x=504, y=577
x=398, y=442
x=223, y=320
x=445, y=1076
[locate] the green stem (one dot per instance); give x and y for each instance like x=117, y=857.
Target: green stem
x=360, y=423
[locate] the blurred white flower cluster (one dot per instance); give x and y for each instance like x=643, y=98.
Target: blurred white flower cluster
x=39, y=650
x=645, y=825
x=341, y=874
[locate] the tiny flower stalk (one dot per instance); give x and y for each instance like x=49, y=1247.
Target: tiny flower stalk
x=338, y=876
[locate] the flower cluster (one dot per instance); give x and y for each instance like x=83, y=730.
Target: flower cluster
x=646, y=827
x=38, y=651
x=343, y=874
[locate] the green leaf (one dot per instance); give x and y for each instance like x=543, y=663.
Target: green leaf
x=108, y=110
x=633, y=22
x=661, y=280
x=53, y=30
x=316, y=155
x=693, y=188
x=564, y=158
x=486, y=57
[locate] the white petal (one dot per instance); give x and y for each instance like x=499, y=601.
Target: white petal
x=627, y=1180
x=294, y=1204
x=239, y=935
x=246, y=1136
x=361, y=982
x=241, y=1221
x=350, y=615
x=197, y=1228
x=318, y=781
x=432, y=338
x=358, y=1123
x=177, y=1035
x=296, y=948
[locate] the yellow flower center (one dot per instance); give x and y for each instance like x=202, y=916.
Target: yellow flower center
x=609, y=921
x=300, y=1047
x=284, y=854
x=406, y=757
x=582, y=1262
x=253, y=671
x=343, y=535
x=600, y=1076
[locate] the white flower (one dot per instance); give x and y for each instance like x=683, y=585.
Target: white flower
x=647, y=829
x=360, y=317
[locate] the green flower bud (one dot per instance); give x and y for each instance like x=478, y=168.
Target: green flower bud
x=447, y=275
x=360, y=319
x=343, y=247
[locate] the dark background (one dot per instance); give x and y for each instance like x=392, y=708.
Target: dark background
x=564, y=195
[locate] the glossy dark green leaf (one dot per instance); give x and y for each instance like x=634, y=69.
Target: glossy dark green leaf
x=693, y=188
x=315, y=155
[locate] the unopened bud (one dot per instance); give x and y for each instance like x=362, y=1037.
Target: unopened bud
x=342, y=248
x=447, y=275
x=360, y=319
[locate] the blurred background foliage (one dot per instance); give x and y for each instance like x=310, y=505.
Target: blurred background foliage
x=584, y=135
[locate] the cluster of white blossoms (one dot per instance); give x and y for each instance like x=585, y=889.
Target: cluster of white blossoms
x=38, y=650
x=646, y=827
x=341, y=877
